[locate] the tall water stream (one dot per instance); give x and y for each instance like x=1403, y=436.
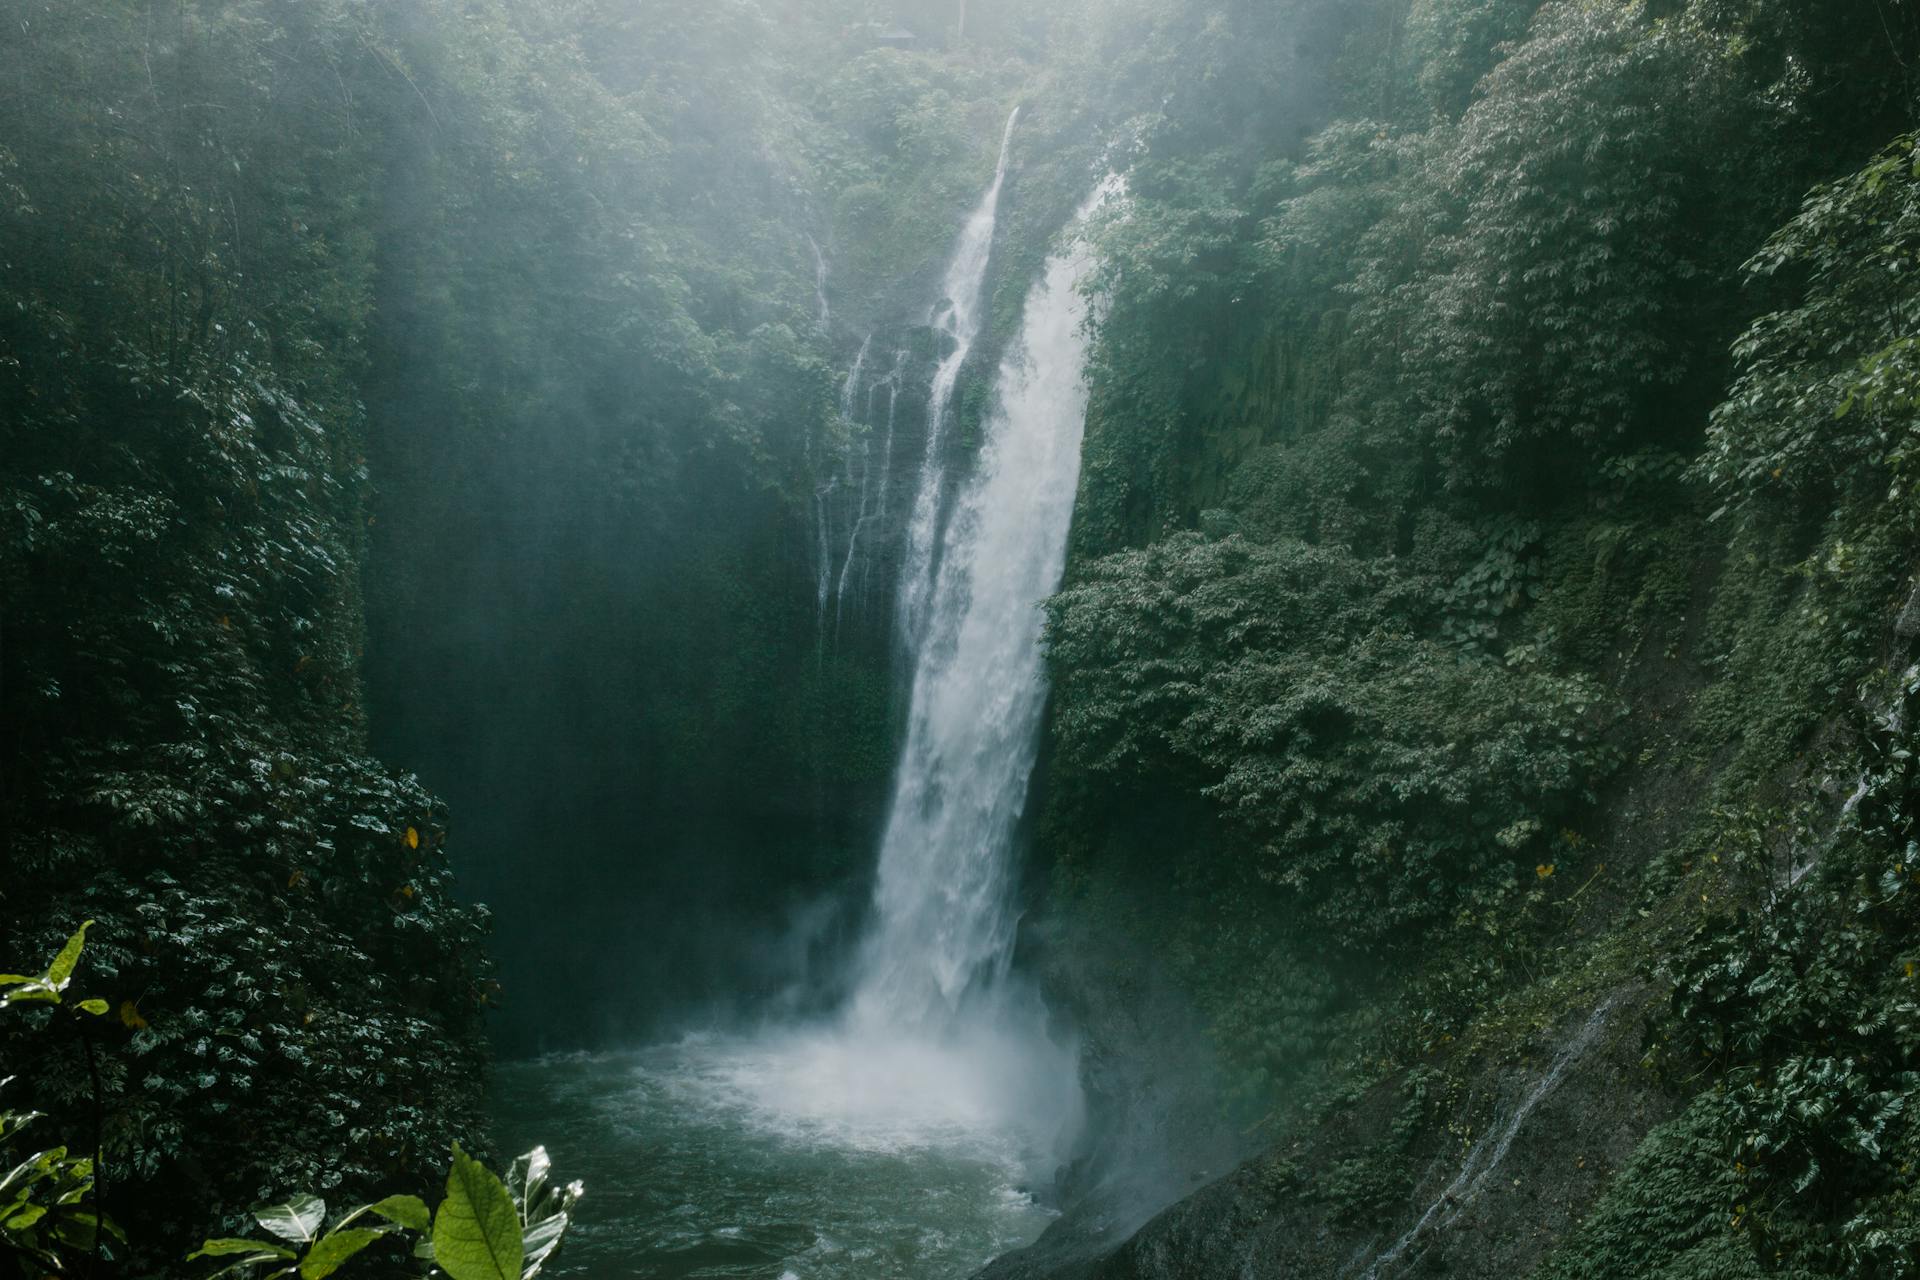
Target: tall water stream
x=902, y=1137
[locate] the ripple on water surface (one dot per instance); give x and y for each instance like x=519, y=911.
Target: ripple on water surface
x=795, y=1157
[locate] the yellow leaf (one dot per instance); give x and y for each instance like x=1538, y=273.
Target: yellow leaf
x=1544, y=870
x=130, y=1015
x=296, y=878
x=413, y=838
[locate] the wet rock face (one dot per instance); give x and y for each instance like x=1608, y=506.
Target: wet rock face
x=1486, y=1188
x=1155, y=1131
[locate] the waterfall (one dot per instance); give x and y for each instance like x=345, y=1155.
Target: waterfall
x=852, y=384
x=939, y=1046
x=956, y=315
x=944, y=912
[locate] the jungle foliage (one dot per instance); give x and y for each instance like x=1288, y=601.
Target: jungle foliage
x=370, y=379
x=1501, y=407
x=187, y=270
x=1523, y=426
x=53, y=1221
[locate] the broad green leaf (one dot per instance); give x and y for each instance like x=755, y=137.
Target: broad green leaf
x=12, y=1122
x=227, y=1245
x=296, y=1218
x=34, y=1168
x=13, y=980
x=94, y=1007
x=335, y=1248
x=62, y=967
x=408, y=1211
x=476, y=1232
x=26, y=1217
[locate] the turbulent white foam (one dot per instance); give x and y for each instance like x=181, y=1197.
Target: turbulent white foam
x=988, y=1090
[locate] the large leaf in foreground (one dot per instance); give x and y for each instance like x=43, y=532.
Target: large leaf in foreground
x=476, y=1232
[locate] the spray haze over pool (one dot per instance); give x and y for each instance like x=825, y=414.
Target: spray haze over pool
x=903, y=1136
x=720, y=1157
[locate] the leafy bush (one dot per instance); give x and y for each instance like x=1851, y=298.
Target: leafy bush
x=1825, y=406
x=1537, y=291
x=1454, y=43
x=484, y=1229
x=50, y=1214
x=1806, y=1006
x=1385, y=777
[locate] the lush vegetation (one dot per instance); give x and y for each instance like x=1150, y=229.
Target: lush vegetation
x=371, y=376
x=53, y=1220
x=1490, y=587
x=186, y=274
x=1495, y=519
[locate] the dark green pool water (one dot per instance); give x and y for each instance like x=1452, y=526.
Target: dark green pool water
x=796, y=1156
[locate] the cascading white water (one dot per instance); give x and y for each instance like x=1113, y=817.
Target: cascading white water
x=957, y=315
x=940, y=1048
x=944, y=914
